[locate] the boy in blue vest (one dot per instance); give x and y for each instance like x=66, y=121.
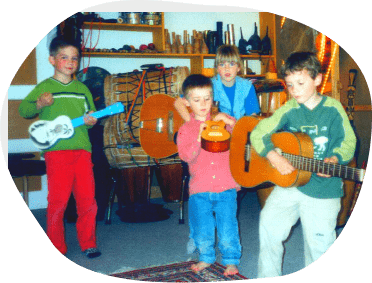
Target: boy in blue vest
x=236, y=96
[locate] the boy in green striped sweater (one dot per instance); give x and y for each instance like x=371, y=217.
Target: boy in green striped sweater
x=317, y=203
x=69, y=165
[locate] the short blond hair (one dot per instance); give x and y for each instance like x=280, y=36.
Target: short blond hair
x=228, y=53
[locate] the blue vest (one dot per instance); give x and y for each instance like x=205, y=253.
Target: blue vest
x=242, y=88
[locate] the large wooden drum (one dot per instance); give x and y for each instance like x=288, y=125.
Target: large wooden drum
x=271, y=95
x=271, y=101
x=346, y=200
x=121, y=132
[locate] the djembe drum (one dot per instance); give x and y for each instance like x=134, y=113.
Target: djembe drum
x=121, y=138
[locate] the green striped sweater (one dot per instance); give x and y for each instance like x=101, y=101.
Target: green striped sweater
x=73, y=99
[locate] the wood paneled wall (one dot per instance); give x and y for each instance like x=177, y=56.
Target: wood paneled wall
x=17, y=125
x=26, y=74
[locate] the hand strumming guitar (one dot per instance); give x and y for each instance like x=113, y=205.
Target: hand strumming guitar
x=280, y=163
x=46, y=99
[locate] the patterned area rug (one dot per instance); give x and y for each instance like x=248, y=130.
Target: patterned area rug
x=179, y=272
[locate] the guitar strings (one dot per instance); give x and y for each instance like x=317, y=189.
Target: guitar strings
x=319, y=166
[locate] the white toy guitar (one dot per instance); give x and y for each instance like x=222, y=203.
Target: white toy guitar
x=44, y=134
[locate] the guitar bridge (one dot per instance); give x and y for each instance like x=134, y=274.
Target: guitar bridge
x=159, y=125
x=170, y=126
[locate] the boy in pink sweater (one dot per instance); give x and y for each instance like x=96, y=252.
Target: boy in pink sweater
x=212, y=189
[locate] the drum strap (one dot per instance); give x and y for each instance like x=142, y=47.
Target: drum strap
x=162, y=73
x=131, y=156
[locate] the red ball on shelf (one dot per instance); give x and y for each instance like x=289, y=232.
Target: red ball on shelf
x=151, y=46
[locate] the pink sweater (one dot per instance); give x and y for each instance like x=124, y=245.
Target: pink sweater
x=209, y=172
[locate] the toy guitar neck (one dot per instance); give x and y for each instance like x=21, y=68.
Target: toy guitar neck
x=44, y=134
x=108, y=111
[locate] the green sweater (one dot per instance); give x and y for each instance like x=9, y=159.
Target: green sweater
x=330, y=130
x=73, y=99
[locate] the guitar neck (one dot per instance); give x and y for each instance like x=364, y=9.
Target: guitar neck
x=80, y=120
x=319, y=166
x=110, y=110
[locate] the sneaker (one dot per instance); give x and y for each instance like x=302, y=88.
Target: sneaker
x=92, y=252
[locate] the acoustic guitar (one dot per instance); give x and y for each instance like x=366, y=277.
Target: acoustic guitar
x=159, y=122
x=250, y=169
x=215, y=138
x=44, y=134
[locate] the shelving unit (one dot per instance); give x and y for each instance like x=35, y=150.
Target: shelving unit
x=158, y=35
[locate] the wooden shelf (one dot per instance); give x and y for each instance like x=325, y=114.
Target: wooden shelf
x=164, y=55
x=120, y=27
x=158, y=35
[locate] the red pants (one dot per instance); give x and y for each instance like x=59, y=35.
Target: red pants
x=71, y=171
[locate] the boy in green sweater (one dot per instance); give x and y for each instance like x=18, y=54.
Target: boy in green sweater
x=317, y=203
x=69, y=166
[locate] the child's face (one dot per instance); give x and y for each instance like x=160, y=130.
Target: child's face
x=200, y=100
x=228, y=71
x=302, y=87
x=65, y=62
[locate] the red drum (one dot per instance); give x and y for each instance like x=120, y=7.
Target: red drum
x=170, y=181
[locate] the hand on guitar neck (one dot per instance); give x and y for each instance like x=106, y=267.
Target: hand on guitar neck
x=332, y=160
x=90, y=120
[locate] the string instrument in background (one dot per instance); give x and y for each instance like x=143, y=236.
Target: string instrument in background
x=44, y=134
x=159, y=122
x=215, y=138
x=250, y=169
x=357, y=189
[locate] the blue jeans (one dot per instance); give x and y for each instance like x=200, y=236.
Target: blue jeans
x=208, y=211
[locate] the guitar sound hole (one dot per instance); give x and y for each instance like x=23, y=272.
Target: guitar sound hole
x=58, y=129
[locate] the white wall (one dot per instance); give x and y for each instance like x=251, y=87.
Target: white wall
x=174, y=21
